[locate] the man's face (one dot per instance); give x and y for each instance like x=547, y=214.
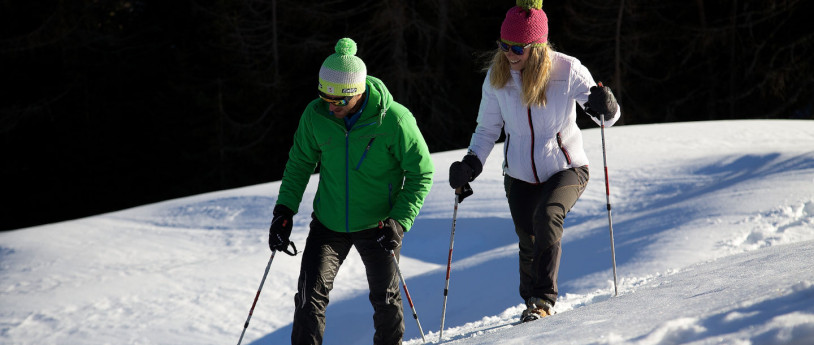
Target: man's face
x=341, y=111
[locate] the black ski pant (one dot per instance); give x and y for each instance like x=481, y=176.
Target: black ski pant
x=324, y=252
x=538, y=212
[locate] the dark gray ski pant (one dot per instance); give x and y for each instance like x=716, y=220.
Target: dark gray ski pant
x=538, y=212
x=324, y=252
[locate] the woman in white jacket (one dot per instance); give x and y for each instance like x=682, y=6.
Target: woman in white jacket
x=531, y=92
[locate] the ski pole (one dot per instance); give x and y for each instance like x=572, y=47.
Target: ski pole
x=256, y=297
x=407, y=293
x=607, y=198
x=460, y=194
x=449, y=264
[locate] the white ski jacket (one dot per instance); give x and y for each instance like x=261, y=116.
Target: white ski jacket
x=540, y=141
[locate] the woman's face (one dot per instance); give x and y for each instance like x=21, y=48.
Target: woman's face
x=517, y=62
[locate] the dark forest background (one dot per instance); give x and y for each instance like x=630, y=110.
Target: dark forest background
x=109, y=104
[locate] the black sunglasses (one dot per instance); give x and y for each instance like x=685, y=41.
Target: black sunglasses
x=340, y=102
x=517, y=50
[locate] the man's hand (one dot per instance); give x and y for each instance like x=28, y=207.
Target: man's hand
x=390, y=234
x=280, y=229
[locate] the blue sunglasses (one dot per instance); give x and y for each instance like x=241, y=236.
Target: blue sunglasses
x=340, y=102
x=516, y=50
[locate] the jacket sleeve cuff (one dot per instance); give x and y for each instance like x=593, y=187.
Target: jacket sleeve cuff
x=282, y=210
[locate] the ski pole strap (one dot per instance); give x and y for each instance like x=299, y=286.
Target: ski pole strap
x=293, y=247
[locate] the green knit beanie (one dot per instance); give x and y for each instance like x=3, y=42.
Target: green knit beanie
x=342, y=73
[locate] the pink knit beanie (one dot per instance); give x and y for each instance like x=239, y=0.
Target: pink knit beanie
x=525, y=23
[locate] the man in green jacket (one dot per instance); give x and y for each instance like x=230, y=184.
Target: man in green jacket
x=375, y=171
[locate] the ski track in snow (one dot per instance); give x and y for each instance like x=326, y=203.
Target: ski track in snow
x=731, y=307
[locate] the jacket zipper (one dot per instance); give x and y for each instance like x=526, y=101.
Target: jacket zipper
x=563, y=149
x=533, y=165
x=347, y=181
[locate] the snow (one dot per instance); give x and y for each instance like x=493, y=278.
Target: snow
x=714, y=237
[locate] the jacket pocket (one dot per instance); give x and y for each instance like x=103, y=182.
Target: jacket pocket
x=563, y=149
x=364, y=154
x=390, y=195
x=506, y=152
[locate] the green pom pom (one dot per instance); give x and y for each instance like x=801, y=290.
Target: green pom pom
x=529, y=4
x=346, y=46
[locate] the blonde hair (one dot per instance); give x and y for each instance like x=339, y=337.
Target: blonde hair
x=534, y=76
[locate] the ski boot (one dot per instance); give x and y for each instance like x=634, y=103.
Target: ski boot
x=536, y=308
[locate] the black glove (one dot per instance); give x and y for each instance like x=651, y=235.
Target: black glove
x=602, y=102
x=280, y=229
x=460, y=173
x=390, y=234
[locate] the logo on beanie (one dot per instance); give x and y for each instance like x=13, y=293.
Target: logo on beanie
x=350, y=90
x=330, y=89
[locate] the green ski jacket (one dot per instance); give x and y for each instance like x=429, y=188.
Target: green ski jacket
x=379, y=168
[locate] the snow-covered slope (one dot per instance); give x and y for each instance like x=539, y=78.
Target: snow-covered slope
x=714, y=232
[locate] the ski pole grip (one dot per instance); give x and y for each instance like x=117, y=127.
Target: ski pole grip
x=464, y=191
x=602, y=116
